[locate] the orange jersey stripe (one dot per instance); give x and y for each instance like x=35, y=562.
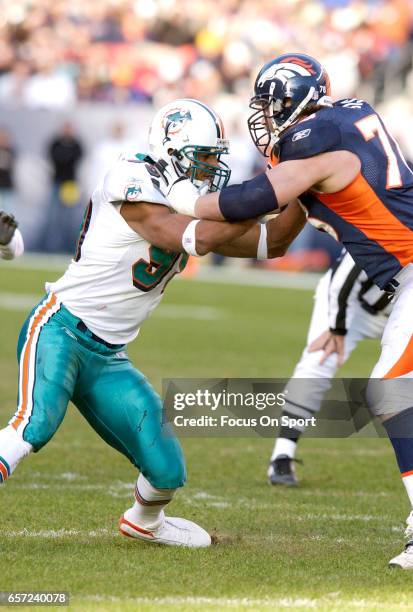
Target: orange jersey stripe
x=404, y=474
x=26, y=358
x=404, y=365
x=359, y=205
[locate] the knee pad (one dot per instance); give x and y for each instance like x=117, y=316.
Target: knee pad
x=389, y=396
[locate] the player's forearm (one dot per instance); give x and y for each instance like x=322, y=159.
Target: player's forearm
x=279, y=233
x=284, y=228
x=200, y=239
x=15, y=248
x=180, y=233
x=244, y=246
x=211, y=236
x=270, y=191
x=249, y=200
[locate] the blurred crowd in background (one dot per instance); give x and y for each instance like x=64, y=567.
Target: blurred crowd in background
x=57, y=56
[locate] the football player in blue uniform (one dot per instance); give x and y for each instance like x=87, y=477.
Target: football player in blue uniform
x=338, y=164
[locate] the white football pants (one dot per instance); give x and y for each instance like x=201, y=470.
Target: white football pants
x=308, y=395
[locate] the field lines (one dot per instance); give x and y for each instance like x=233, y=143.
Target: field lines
x=332, y=603
x=230, y=274
x=20, y=302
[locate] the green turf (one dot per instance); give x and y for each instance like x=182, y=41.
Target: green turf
x=324, y=545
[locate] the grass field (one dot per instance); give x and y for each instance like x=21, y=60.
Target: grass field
x=323, y=546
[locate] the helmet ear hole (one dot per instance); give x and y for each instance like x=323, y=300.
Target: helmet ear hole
x=175, y=153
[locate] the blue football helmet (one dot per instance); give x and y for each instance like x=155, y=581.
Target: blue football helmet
x=287, y=88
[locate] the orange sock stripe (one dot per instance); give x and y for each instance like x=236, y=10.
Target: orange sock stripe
x=145, y=502
x=26, y=360
x=409, y=473
x=404, y=364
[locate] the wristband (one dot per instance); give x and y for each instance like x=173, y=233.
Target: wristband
x=189, y=238
x=262, y=249
x=183, y=196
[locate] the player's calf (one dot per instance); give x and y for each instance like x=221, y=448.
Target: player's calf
x=400, y=431
x=12, y=450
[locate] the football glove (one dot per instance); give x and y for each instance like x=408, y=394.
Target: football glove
x=8, y=225
x=181, y=193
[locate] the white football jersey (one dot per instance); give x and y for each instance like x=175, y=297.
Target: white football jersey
x=117, y=278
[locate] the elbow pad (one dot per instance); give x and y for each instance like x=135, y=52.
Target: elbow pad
x=248, y=200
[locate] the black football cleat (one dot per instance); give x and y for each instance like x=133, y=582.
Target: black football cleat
x=281, y=471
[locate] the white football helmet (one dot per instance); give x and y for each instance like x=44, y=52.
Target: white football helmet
x=183, y=130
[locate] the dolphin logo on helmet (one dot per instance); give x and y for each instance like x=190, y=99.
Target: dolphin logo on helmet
x=174, y=121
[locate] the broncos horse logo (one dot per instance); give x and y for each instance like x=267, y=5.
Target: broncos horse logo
x=174, y=121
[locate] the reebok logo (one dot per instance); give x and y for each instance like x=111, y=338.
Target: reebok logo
x=301, y=135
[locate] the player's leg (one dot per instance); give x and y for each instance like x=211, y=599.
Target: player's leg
x=126, y=412
x=391, y=397
x=306, y=389
x=47, y=374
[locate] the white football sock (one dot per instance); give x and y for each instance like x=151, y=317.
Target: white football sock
x=12, y=450
x=147, y=510
x=408, y=483
x=284, y=446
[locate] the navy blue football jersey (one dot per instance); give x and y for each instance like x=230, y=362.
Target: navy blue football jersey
x=373, y=216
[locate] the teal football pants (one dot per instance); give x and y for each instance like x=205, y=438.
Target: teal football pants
x=58, y=362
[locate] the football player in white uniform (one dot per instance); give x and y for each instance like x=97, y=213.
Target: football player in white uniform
x=72, y=346
x=11, y=240
x=348, y=308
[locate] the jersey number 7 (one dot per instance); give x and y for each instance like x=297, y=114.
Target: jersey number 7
x=370, y=127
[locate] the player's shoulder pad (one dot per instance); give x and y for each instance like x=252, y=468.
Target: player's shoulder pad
x=310, y=137
x=135, y=179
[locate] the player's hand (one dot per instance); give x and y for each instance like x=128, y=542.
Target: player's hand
x=171, y=172
x=329, y=343
x=180, y=191
x=8, y=225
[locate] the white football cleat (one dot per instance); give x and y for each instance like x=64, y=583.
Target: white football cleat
x=172, y=531
x=405, y=559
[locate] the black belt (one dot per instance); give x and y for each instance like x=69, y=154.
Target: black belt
x=83, y=328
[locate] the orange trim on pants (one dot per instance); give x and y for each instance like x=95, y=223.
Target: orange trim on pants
x=404, y=364
x=25, y=361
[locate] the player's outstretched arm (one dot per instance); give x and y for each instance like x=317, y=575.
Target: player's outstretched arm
x=11, y=240
x=272, y=239
x=269, y=191
x=180, y=233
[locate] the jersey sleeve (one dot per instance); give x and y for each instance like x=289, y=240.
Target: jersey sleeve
x=310, y=138
x=15, y=248
x=130, y=181
x=345, y=283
